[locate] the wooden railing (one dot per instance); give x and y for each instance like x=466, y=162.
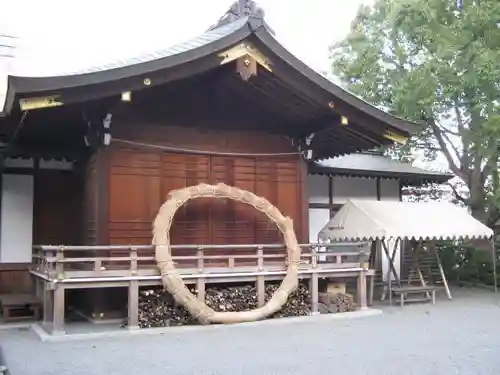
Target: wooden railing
x=62, y=262
x=58, y=268
x=70, y=262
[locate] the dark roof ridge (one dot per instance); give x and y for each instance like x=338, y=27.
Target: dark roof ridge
x=244, y=9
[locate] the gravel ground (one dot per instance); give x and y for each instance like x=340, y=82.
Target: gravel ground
x=453, y=337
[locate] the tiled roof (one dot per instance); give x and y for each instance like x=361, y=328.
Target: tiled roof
x=375, y=165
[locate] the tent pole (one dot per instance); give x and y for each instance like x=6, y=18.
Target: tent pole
x=494, y=255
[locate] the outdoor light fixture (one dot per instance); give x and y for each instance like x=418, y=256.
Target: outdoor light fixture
x=126, y=96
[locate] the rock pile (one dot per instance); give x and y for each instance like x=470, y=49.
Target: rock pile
x=299, y=303
x=234, y=298
x=335, y=303
x=158, y=308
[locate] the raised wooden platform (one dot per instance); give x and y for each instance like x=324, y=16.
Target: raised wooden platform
x=56, y=269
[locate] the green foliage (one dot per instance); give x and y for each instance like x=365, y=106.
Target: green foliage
x=427, y=61
x=462, y=263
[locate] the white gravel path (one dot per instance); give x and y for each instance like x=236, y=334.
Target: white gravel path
x=453, y=337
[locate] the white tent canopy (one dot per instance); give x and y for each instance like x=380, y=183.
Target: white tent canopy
x=372, y=220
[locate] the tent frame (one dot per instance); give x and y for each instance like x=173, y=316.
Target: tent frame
x=392, y=276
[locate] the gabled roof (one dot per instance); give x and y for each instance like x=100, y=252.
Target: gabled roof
x=371, y=220
x=242, y=30
x=376, y=165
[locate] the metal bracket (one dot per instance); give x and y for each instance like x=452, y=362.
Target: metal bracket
x=40, y=102
x=245, y=49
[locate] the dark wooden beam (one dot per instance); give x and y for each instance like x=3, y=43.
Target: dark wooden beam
x=15, y=266
x=303, y=173
x=330, y=195
x=102, y=222
x=138, y=83
x=333, y=206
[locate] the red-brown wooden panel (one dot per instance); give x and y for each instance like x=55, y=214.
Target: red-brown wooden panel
x=141, y=178
x=16, y=280
x=134, y=196
x=191, y=221
x=57, y=208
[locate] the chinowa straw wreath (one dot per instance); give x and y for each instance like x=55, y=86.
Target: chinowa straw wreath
x=172, y=280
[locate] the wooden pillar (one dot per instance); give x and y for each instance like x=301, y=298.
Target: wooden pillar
x=362, y=287
x=313, y=286
x=200, y=282
x=261, y=284
x=99, y=302
x=58, y=322
x=303, y=233
x=133, y=305
x=102, y=165
x=362, y=290
x=314, y=290
x=261, y=291
x=133, y=293
x=48, y=303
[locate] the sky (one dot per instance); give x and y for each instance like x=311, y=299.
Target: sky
x=62, y=36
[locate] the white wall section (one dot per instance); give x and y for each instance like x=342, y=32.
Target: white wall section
x=317, y=186
x=16, y=229
x=389, y=189
x=318, y=218
x=345, y=188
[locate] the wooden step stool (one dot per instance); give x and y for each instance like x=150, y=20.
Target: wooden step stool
x=19, y=307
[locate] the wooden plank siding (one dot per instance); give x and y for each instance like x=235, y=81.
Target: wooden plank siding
x=140, y=179
x=15, y=278
x=57, y=211
x=57, y=207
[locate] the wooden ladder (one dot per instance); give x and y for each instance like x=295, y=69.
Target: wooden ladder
x=423, y=268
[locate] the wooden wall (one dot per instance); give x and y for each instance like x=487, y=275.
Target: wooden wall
x=139, y=179
x=57, y=212
x=91, y=200
x=15, y=278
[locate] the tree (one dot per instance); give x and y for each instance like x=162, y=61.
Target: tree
x=438, y=63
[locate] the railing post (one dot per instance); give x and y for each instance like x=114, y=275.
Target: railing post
x=314, y=289
x=133, y=293
x=60, y=265
x=133, y=261
x=200, y=281
x=261, y=283
x=58, y=300
x=50, y=269
x=58, y=322
x=48, y=302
